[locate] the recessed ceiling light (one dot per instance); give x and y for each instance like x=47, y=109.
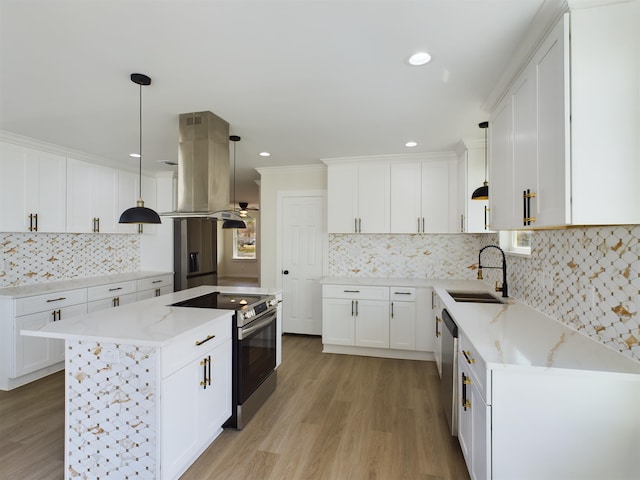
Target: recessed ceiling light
x=134, y=155
x=264, y=154
x=419, y=58
x=411, y=144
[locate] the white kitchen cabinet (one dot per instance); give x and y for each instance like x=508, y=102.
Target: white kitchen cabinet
x=32, y=190
x=474, y=414
x=372, y=323
x=92, y=198
x=402, y=322
x=472, y=215
x=562, y=116
x=195, y=402
x=110, y=295
x=355, y=315
x=154, y=287
x=29, y=354
x=358, y=197
x=338, y=321
x=421, y=194
x=394, y=322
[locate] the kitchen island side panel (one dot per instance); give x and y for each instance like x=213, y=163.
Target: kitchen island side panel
x=111, y=427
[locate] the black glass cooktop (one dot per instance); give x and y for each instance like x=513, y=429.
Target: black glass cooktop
x=224, y=301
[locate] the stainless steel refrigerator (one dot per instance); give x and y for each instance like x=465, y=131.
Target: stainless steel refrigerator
x=194, y=252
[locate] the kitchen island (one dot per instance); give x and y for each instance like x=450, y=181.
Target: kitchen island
x=147, y=386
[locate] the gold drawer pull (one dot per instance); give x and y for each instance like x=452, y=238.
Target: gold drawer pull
x=56, y=299
x=200, y=342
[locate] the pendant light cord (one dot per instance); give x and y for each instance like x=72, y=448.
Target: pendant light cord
x=140, y=150
x=486, y=147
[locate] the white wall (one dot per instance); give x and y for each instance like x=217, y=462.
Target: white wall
x=272, y=181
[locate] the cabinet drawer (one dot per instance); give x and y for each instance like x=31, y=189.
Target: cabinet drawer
x=156, y=292
x=110, y=290
x=114, y=301
x=402, y=294
x=474, y=363
x=155, y=282
x=49, y=301
x=355, y=292
x=193, y=343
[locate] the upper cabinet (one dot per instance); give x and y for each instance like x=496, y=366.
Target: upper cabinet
x=358, y=197
x=472, y=215
x=420, y=192
x=563, y=140
x=392, y=194
x=92, y=198
x=32, y=190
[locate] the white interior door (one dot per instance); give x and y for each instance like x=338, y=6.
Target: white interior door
x=302, y=264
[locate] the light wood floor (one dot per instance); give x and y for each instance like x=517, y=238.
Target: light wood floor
x=332, y=417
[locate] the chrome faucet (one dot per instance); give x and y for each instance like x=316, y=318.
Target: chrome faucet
x=503, y=288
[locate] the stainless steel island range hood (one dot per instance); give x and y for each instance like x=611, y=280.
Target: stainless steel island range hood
x=203, y=168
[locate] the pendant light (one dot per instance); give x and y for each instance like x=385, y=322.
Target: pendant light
x=482, y=193
x=140, y=214
x=234, y=223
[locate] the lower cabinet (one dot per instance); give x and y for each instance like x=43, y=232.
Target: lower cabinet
x=196, y=401
x=474, y=421
x=377, y=321
x=29, y=354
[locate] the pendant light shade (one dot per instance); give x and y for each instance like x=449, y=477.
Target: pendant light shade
x=482, y=193
x=231, y=222
x=140, y=213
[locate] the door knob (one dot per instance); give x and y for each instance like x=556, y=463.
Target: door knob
x=285, y=272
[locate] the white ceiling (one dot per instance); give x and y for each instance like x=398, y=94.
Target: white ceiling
x=301, y=79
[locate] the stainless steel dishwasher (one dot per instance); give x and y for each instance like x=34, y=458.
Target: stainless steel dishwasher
x=449, y=384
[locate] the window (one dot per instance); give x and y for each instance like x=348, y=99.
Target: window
x=244, y=241
x=516, y=241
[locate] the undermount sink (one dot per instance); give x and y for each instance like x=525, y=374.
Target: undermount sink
x=474, y=297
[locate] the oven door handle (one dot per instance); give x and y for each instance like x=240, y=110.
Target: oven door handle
x=254, y=326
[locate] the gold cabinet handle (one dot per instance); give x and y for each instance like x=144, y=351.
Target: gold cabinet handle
x=200, y=342
x=467, y=356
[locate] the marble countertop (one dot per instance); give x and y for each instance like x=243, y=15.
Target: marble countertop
x=151, y=322
x=72, y=284
x=514, y=334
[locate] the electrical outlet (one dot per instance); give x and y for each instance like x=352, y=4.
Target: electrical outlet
x=111, y=355
x=591, y=296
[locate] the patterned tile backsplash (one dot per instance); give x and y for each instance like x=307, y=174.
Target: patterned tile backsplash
x=588, y=278
x=29, y=258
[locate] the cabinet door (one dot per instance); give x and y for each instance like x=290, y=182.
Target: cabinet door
x=91, y=194
x=402, y=326
x=406, y=201
x=551, y=66
x=180, y=399
x=525, y=150
x=465, y=423
x=338, y=321
x=501, y=167
x=32, y=182
x=435, y=196
x=215, y=401
x=374, y=198
x=372, y=323
x=34, y=353
x=342, y=198
x=437, y=334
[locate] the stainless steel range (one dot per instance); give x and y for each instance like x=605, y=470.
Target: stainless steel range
x=254, y=375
